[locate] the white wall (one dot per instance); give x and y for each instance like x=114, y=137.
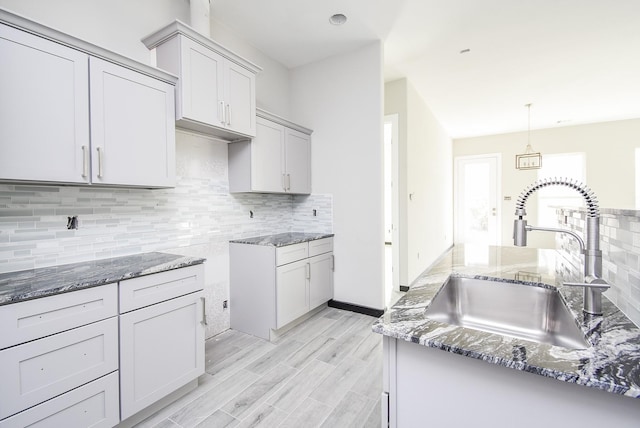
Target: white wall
x=610, y=160
x=117, y=25
x=340, y=98
x=272, y=83
x=425, y=188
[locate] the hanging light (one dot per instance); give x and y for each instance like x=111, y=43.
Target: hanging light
x=529, y=159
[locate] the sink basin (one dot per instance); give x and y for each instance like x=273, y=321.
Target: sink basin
x=518, y=310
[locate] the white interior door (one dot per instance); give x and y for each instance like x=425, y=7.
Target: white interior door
x=477, y=208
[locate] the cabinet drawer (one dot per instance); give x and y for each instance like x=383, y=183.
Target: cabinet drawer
x=291, y=253
x=320, y=246
x=162, y=349
x=33, y=319
x=147, y=290
x=37, y=371
x=94, y=405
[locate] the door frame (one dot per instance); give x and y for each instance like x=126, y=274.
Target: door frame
x=456, y=193
x=395, y=201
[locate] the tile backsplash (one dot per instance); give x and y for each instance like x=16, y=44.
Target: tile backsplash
x=197, y=218
x=620, y=245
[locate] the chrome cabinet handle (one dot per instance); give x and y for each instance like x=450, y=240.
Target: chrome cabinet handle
x=85, y=162
x=100, y=172
x=288, y=182
x=221, y=113
x=308, y=270
x=228, y=115
x=204, y=312
x=284, y=182
x=333, y=262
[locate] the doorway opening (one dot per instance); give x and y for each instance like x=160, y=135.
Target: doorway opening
x=477, y=193
x=391, y=204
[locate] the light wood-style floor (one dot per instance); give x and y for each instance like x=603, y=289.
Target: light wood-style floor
x=325, y=372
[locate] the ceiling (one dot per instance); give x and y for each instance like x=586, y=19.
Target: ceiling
x=575, y=61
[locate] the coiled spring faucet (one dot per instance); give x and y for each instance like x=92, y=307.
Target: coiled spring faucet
x=593, y=283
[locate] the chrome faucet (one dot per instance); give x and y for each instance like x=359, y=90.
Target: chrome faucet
x=593, y=283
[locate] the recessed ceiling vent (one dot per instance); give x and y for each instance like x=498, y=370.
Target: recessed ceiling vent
x=338, y=19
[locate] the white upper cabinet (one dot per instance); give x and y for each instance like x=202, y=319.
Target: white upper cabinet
x=72, y=112
x=297, y=155
x=44, y=109
x=216, y=93
x=132, y=127
x=277, y=160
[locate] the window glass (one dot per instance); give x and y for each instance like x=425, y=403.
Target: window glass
x=560, y=165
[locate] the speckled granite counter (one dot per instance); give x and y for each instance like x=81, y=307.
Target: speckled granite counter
x=31, y=284
x=282, y=239
x=611, y=364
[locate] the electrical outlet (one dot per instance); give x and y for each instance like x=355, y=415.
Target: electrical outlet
x=225, y=304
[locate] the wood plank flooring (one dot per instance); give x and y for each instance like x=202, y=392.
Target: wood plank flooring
x=325, y=372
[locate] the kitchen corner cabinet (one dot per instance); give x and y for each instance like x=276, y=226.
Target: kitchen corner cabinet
x=70, y=116
x=216, y=92
x=277, y=160
x=282, y=285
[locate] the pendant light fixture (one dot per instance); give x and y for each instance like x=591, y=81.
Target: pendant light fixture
x=529, y=159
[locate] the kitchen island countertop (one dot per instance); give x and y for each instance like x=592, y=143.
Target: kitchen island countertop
x=47, y=281
x=611, y=364
x=282, y=239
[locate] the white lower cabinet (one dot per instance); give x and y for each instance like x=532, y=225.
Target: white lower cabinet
x=94, y=405
x=70, y=360
x=272, y=287
x=162, y=349
x=292, y=292
x=39, y=370
x=320, y=279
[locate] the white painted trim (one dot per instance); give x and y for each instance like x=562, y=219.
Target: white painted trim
x=395, y=231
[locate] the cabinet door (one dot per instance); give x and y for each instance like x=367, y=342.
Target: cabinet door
x=161, y=349
x=240, y=99
x=201, y=80
x=321, y=279
x=267, y=157
x=292, y=295
x=132, y=127
x=44, y=109
x=298, y=161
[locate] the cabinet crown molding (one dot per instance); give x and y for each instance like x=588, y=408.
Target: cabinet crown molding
x=178, y=27
x=282, y=121
x=26, y=24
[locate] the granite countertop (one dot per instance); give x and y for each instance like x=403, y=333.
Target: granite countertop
x=282, y=239
x=34, y=283
x=611, y=364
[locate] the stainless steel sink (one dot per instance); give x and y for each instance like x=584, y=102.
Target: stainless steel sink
x=519, y=310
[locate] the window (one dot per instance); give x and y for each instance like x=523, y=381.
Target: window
x=561, y=165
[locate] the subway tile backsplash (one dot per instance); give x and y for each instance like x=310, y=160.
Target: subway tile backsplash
x=620, y=245
x=198, y=217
